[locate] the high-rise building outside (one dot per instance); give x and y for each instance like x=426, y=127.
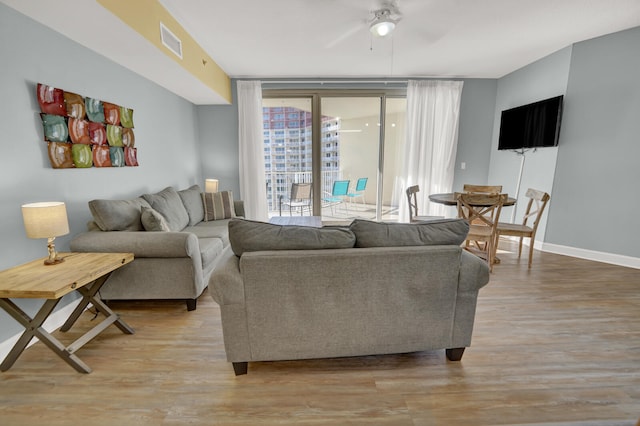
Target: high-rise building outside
x=287, y=149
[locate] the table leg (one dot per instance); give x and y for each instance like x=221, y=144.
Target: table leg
x=33, y=328
x=89, y=296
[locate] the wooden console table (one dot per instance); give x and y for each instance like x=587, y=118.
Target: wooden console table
x=82, y=272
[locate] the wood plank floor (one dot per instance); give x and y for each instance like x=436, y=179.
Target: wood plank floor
x=557, y=345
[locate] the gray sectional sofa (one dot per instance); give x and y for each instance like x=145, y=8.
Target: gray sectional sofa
x=295, y=292
x=173, y=263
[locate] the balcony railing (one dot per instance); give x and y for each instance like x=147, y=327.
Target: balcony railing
x=279, y=183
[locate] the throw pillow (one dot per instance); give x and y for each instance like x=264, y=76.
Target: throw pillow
x=193, y=204
x=435, y=232
x=218, y=205
x=168, y=203
x=118, y=215
x=248, y=235
x=152, y=220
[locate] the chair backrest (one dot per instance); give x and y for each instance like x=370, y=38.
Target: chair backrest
x=540, y=200
x=362, y=184
x=482, y=189
x=412, y=200
x=480, y=209
x=340, y=187
x=300, y=191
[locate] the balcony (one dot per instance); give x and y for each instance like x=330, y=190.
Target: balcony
x=279, y=184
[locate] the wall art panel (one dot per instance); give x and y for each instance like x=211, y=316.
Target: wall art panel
x=83, y=132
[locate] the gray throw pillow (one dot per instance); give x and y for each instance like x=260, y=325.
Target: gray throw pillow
x=436, y=232
x=118, y=215
x=153, y=221
x=247, y=235
x=192, y=201
x=168, y=203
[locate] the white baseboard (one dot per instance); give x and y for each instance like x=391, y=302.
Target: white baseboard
x=52, y=323
x=598, y=256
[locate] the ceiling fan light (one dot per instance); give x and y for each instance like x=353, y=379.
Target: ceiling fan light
x=382, y=28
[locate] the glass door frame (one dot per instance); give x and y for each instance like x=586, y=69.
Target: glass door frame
x=316, y=96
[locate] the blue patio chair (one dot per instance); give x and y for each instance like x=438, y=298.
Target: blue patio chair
x=339, y=191
x=361, y=185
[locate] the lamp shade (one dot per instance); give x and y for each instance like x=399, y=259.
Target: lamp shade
x=45, y=220
x=211, y=185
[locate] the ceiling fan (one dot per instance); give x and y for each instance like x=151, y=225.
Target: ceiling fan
x=380, y=21
x=384, y=21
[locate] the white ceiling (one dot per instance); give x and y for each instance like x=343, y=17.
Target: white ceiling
x=330, y=38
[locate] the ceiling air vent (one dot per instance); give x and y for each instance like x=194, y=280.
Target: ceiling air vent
x=170, y=40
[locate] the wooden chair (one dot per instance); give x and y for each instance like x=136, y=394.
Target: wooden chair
x=413, y=206
x=300, y=198
x=537, y=202
x=482, y=211
x=482, y=189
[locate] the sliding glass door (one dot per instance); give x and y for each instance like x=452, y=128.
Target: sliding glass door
x=342, y=142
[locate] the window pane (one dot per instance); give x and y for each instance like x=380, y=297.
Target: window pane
x=287, y=124
x=350, y=150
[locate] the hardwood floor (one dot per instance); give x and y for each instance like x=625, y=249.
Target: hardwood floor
x=556, y=345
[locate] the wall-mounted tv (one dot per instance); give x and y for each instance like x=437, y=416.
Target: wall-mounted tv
x=534, y=125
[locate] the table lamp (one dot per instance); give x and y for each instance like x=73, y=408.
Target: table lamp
x=211, y=185
x=46, y=220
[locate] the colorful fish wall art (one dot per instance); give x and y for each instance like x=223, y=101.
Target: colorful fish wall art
x=83, y=132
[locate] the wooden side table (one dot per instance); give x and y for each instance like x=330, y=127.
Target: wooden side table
x=82, y=272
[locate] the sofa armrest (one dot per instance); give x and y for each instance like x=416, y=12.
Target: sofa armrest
x=226, y=284
x=140, y=243
x=474, y=272
x=238, y=206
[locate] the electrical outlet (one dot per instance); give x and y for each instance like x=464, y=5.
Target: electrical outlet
x=463, y=166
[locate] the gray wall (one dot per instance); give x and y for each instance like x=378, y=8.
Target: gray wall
x=595, y=191
x=165, y=130
x=218, y=133
x=542, y=79
x=477, y=109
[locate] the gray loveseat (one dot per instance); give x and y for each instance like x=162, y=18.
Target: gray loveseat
x=173, y=263
x=372, y=288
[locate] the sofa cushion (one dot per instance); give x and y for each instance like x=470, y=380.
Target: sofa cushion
x=192, y=201
x=210, y=248
x=118, y=215
x=435, y=232
x=218, y=205
x=247, y=235
x=168, y=203
x=152, y=220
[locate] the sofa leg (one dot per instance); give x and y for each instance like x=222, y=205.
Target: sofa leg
x=240, y=368
x=191, y=304
x=455, y=354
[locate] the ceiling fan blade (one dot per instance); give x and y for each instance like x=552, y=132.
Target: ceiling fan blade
x=344, y=36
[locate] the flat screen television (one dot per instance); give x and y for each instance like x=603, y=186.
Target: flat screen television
x=535, y=125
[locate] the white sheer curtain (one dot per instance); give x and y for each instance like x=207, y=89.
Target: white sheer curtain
x=252, y=177
x=433, y=109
